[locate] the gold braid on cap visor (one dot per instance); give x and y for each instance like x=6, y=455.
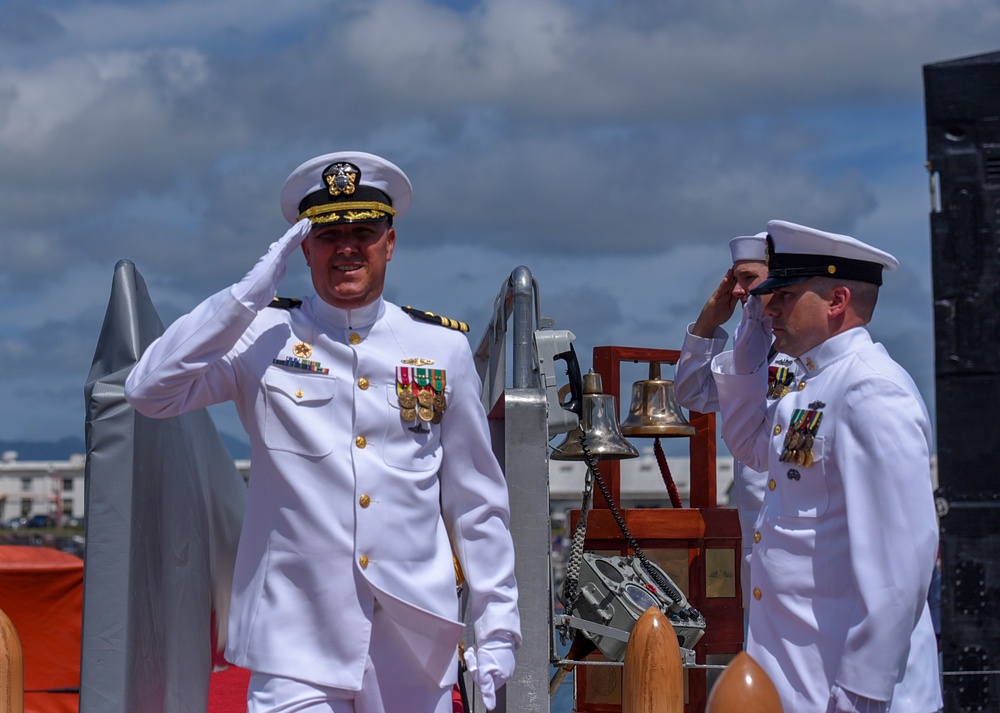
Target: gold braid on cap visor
x=346, y=210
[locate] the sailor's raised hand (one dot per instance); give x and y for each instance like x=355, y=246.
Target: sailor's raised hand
x=260, y=285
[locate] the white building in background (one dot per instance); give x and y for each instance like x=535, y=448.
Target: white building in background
x=54, y=488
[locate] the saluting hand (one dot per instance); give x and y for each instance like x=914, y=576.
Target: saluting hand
x=260, y=285
x=718, y=309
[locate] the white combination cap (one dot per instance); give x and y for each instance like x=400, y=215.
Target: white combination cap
x=796, y=253
x=346, y=187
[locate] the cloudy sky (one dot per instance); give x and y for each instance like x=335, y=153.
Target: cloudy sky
x=612, y=147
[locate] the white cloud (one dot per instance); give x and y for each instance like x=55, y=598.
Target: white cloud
x=613, y=148
x=48, y=104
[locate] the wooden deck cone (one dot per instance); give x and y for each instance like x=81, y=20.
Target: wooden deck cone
x=743, y=687
x=11, y=668
x=653, y=679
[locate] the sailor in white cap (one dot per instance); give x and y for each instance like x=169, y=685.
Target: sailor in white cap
x=695, y=388
x=372, y=469
x=847, y=536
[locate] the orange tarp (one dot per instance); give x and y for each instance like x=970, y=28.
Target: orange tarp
x=41, y=590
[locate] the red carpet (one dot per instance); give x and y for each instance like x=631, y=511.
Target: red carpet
x=227, y=691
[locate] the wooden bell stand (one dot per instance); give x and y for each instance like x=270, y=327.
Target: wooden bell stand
x=698, y=546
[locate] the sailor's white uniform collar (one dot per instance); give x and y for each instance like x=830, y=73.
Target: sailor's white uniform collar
x=833, y=350
x=348, y=318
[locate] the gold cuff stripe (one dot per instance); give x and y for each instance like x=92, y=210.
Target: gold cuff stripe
x=326, y=208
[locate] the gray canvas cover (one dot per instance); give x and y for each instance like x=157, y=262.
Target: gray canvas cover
x=164, y=508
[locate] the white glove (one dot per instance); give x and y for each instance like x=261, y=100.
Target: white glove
x=260, y=285
x=752, y=339
x=491, y=665
x=843, y=701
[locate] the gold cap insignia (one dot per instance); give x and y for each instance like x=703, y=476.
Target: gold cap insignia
x=341, y=178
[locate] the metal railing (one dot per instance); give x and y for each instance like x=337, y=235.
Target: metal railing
x=520, y=442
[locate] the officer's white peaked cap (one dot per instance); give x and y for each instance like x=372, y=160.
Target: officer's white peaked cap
x=346, y=187
x=796, y=253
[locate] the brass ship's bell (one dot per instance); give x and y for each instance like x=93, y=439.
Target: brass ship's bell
x=599, y=421
x=654, y=411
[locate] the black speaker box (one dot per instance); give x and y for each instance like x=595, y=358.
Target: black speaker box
x=970, y=594
x=962, y=104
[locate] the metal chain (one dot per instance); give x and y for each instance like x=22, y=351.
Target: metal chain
x=616, y=514
x=572, y=579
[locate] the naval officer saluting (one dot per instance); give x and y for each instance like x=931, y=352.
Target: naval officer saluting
x=846, y=540
x=371, y=464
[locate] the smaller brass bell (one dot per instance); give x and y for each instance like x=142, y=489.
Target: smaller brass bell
x=599, y=421
x=654, y=411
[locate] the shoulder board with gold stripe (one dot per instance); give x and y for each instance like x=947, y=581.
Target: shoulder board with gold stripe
x=285, y=303
x=436, y=319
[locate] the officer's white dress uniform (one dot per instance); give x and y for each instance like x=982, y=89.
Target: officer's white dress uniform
x=845, y=546
x=348, y=503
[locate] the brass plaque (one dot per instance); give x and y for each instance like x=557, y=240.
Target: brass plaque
x=720, y=573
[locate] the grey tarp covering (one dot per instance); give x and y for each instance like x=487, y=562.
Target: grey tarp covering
x=164, y=508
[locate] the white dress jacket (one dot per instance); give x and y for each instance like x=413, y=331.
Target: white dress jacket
x=695, y=389
x=845, y=543
x=347, y=501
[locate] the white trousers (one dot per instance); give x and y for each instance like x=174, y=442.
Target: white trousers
x=394, y=681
